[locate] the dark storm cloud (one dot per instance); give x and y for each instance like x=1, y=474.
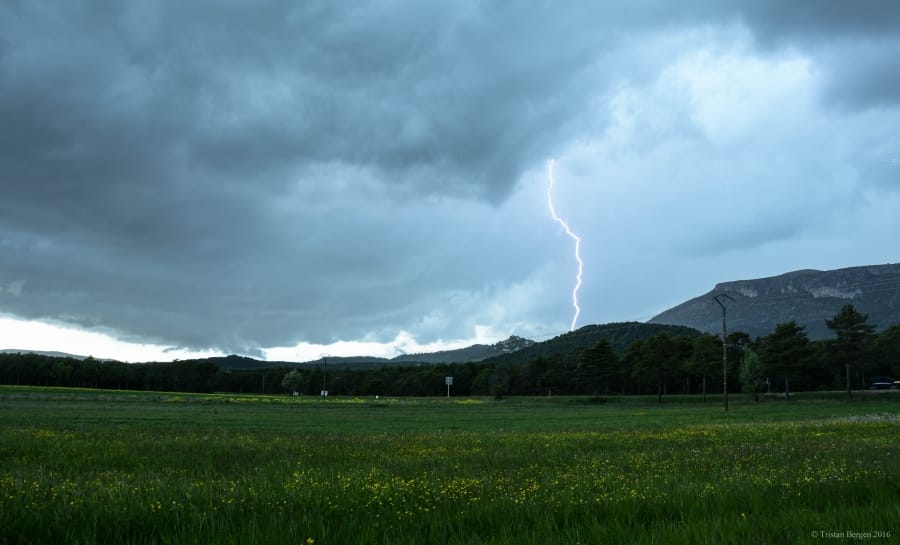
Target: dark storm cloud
x=865, y=74
x=791, y=20
x=237, y=175
x=857, y=44
x=143, y=146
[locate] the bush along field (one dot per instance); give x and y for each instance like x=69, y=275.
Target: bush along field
x=82, y=466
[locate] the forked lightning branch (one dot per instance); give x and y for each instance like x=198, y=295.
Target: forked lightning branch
x=574, y=237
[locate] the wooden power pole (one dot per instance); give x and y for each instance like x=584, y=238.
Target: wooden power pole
x=721, y=300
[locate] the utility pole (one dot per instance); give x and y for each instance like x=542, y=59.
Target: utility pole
x=719, y=299
x=849, y=390
x=324, y=376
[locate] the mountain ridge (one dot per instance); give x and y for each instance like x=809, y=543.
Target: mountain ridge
x=807, y=296
x=475, y=352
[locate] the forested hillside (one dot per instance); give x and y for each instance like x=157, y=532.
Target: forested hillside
x=607, y=359
x=619, y=335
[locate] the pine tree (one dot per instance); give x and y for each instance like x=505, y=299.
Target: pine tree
x=786, y=351
x=853, y=334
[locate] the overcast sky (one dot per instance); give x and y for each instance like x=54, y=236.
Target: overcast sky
x=288, y=179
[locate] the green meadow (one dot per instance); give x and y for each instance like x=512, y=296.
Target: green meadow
x=91, y=466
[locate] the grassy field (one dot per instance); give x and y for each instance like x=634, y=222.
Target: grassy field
x=83, y=466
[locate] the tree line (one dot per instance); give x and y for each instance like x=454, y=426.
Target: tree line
x=783, y=361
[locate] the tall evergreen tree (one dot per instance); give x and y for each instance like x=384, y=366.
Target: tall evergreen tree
x=853, y=334
x=786, y=352
x=706, y=359
x=886, y=352
x=660, y=356
x=596, y=366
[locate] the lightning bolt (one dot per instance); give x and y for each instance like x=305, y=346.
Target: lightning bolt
x=574, y=237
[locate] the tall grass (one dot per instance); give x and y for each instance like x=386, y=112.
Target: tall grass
x=147, y=469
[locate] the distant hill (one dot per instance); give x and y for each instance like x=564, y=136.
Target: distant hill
x=620, y=335
x=808, y=296
x=476, y=352
x=513, y=349
x=240, y=362
x=49, y=353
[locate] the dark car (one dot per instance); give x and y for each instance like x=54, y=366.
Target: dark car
x=883, y=383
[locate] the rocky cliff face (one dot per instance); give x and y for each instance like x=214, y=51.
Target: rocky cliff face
x=809, y=297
